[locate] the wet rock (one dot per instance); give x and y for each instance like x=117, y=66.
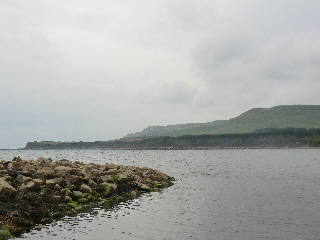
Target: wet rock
x=108, y=166
x=38, y=181
x=28, y=185
x=12, y=172
x=57, y=187
x=74, y=179
x=28, y=170
x=47, y=188
x=52, y=182
x=111, y=172
x=6, y=188
x=63, y=169
x=77, y=194
x=64, y=162
x=144, y=187
x=85, y=188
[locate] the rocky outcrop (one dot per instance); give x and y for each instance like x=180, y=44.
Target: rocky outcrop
x=37, y=191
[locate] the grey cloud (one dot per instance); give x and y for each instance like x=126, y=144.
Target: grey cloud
x=173, y=93
x=79, y=70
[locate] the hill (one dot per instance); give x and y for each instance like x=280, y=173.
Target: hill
x=253, y=120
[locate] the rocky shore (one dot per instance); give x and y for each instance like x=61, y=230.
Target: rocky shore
x=35, y=192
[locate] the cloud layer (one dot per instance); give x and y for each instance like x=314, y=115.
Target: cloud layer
x=98, y=70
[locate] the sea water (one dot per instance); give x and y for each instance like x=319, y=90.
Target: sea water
x=218, y=194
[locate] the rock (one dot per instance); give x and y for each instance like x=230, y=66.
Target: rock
x=108, y=166
x=63, y=169
x=21, y=178
x=74, y=179
x=52, y=182
x=77, y=194
x=92, y=183
x=47, y=170
x=6, y=188
x=88, y=168
x=67, y=192
x=38, y=181
x=64, y=162
x=95, y=173
x=124, y=177
x=107, y=179
x=17, y=159
x=111, y=172
x=17, y=165
x=114, y=186
x=12, y=172
x=85, y=188
x=155, y=177
x=57, y=187
x=67, y=199
x=28, y=185
x=144, y=187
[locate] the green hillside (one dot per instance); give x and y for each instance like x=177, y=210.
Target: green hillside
x=286, y=116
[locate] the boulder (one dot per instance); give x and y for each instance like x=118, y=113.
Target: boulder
x=6, y=188
x=113, y=186
x=38, y=181
x=88, y=168
x=111, y=172
x=52, y=182
x=144, y=187
x=21, y=179
x=57, y=187
x=108, y=166
x=12, y=172
x=64, y=162
x=74, y=179
x=63, y=169
x=17, y=165
x=77, y=194
x=28, y=170
x=27, y=185
x=85, y=188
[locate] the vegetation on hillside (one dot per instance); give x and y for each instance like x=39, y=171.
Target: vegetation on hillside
x=280, y=117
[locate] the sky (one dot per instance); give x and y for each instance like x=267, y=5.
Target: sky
x=97, y=70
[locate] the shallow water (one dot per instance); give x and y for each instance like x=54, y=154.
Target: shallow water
x=219, y=194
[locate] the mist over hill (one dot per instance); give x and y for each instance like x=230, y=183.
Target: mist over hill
x=253, y=120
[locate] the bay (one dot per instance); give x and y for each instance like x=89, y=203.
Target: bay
x=219, y=194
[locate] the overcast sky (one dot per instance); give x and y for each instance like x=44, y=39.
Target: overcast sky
x=98, y=70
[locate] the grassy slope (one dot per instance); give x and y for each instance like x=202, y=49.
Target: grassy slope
x=297, y=116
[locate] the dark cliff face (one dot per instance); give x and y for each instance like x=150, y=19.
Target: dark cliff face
x=290, y=138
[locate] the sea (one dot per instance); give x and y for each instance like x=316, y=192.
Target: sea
x=227, y=194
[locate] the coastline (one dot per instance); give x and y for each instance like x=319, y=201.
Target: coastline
x=36, y=192
x=279, y=139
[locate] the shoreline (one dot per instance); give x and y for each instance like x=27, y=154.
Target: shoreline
x=162, y=148
x=36, y=192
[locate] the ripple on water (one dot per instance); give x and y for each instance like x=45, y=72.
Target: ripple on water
x=227, y=194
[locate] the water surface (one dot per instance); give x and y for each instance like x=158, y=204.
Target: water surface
x=219, y=194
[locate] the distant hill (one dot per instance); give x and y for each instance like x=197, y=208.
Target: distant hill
x=295, y=126
x=254, y=120
x=159, y=130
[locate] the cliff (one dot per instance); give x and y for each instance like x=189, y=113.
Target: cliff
x=282, y=138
